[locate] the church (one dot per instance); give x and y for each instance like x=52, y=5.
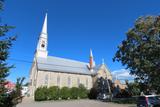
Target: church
x=62, y=72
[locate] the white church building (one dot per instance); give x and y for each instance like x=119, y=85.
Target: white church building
x=55, y=71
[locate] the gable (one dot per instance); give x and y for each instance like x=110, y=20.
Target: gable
x=104, y=72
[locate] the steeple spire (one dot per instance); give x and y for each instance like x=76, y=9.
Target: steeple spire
x=91, y=54
x=43, y=42
x=91, y=61
x=44, y=28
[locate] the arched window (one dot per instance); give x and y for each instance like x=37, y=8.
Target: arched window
x=86, y=82
x=58, y=80
x=78, y=81
x=69, y=82
x=46, y=79
x=43, y=44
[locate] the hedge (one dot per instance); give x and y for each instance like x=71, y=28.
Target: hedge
x=74, y=93
x=53, y=93
x=131, y=100
x=65, y=93
x=93, y=94
x=41, y=94
x=83, y=92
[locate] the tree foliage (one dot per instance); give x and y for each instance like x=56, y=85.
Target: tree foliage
x=64, y=93
x=104, y=87
x=5, y=45
x=140, y=51
x=133, y=88
x=18, y=88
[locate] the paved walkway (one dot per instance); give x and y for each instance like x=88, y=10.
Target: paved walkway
x=71, y=103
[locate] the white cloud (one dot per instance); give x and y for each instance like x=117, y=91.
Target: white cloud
x=122, y=74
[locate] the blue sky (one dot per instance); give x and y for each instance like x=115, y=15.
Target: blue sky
x=74, y=26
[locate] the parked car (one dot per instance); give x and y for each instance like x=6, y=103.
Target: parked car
x=24, y=90
x=158, y=97
x=148, y=101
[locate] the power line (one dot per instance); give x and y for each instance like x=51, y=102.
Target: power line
x=26, y=61
x=19, y=60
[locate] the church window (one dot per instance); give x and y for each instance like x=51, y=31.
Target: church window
x=31, y=81
x=69, y=82
x=46, y=80
x=87, y=83
x=58, y=80
x=78, y=81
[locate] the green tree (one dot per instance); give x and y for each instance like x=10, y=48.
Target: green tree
x=18, y=87
x=5, y=45
x=133, y=88
x=26, y=84
x=16, y=95
x=104, y=86
x=140, y=51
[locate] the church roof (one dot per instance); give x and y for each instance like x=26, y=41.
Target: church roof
x=56, y=64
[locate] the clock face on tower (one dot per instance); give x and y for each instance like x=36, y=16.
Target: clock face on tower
x=43, y=44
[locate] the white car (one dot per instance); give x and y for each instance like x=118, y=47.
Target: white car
x=24, y=90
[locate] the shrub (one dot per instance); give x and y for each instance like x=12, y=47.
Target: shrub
x=123, y=94
x=92, y=93
x=65, y=93
x=82, y=91
x=53, y=93
x=125, y=100
x=41, y=94
x=74, y=93
x=6, y=100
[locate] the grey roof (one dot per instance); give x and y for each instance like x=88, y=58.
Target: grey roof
x=56, y=64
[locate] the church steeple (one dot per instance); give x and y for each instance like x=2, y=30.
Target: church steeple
x=91, y=60
x=43, y=42
x=44, y=28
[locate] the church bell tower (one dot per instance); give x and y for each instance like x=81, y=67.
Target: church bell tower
x=41, y=50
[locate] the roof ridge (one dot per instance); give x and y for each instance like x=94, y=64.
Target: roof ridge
x=68, y=59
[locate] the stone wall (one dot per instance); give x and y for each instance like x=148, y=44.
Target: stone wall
x=48, y=79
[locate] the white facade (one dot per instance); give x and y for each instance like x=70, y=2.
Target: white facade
x=43, y=42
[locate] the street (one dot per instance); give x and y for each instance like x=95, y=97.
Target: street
x=71, y=103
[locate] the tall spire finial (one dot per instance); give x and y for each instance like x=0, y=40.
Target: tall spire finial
x=91, y=54
x=44, y=29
